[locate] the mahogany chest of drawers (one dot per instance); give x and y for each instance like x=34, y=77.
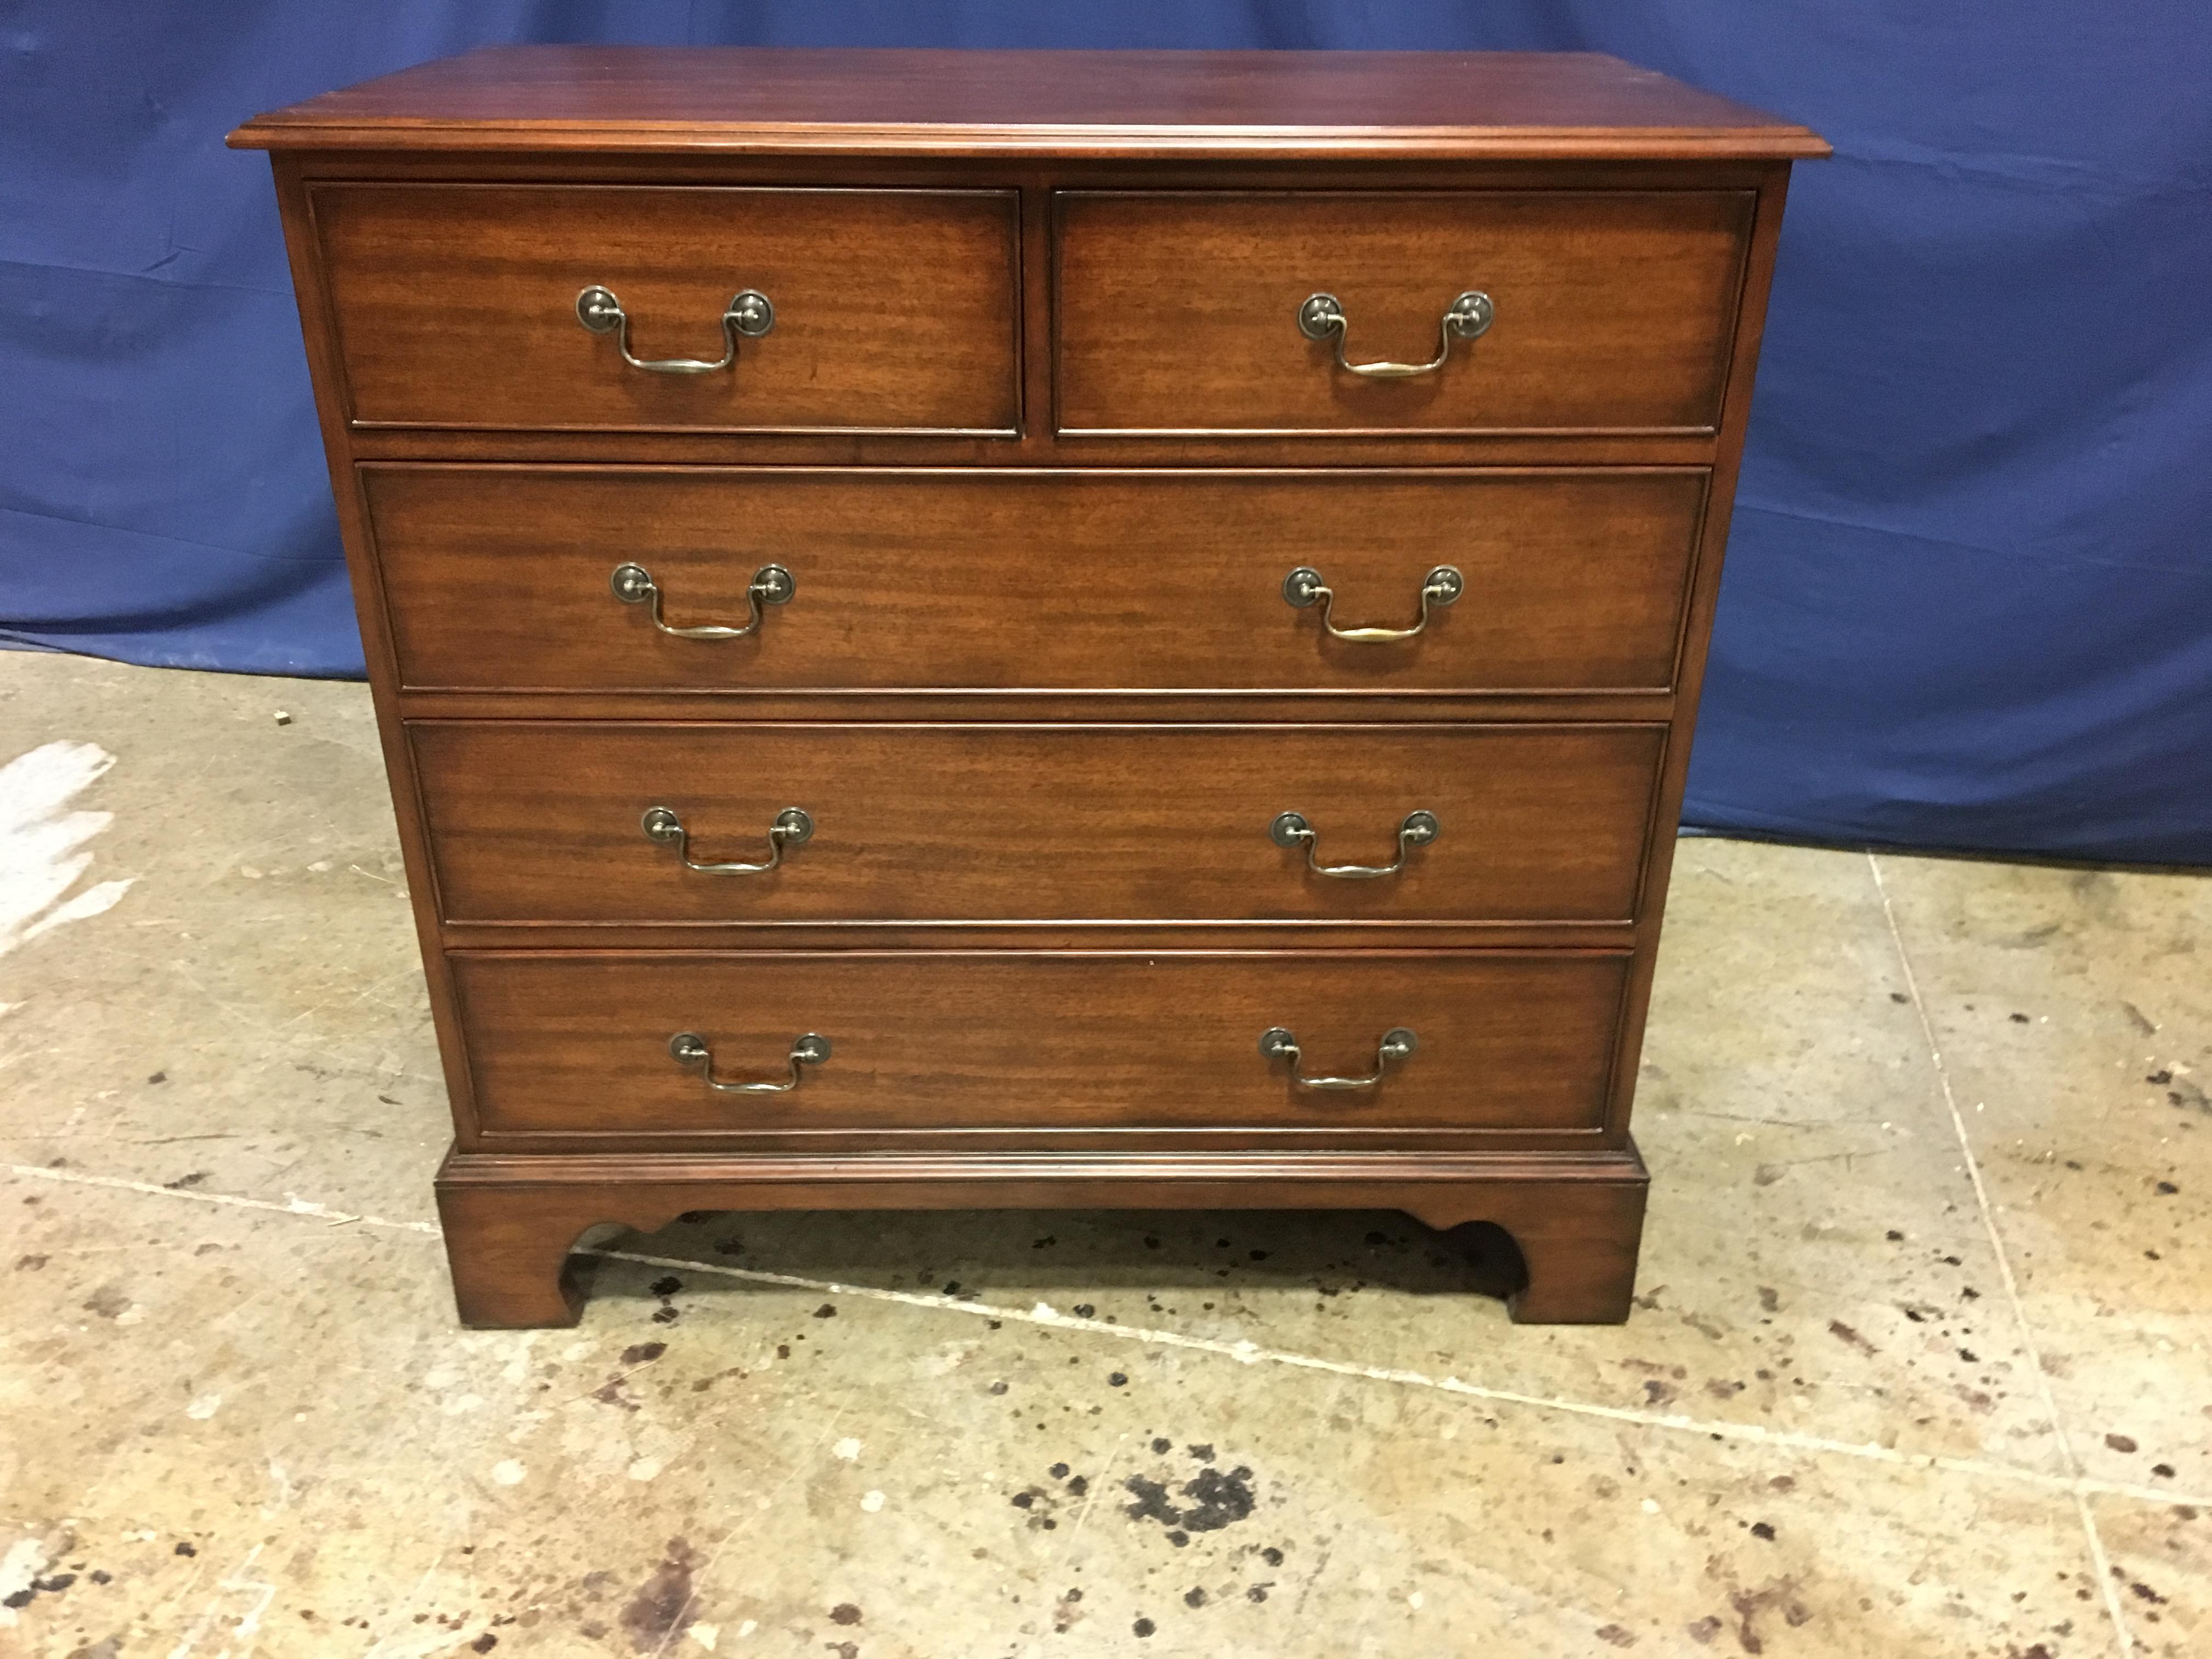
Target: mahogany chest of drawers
x=1031, y=628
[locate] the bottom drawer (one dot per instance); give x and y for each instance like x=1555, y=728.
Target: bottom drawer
x=1039, y=1040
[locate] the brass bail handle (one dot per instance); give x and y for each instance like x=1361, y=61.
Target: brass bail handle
x=772, y=584
x=1291, y=830
x=1397, y=1045
x=690, y=1051
x=749, y=313
x=1323, y=318
x=1304, y=588
x=791, y=828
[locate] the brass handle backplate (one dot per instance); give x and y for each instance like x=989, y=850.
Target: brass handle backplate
x=1291, y=830
x=689, y=1050
x=1322, y=318
x=748, y=313
x=1304, y=588
x=772, y=584
x=792, y=828
x=1398, y=1042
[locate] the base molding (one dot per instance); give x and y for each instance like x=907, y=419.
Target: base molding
x=511, y=1219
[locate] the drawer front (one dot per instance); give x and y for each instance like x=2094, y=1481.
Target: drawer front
x=1608, y=310
x=1049, y=1041
x=533, y=821
x=457, y=306
x=499, y=577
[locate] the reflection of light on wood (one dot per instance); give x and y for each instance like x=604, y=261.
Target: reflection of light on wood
x=40, y=840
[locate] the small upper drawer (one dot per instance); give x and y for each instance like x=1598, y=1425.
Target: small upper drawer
x=1548, y=310
x=460, y=305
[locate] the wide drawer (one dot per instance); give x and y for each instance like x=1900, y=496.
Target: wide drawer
x=1037, y=1040
x=545, y=822
x=1606, y=310
x=501, y=577
x=457, y=305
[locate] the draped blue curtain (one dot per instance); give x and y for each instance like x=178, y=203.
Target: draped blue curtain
x=1968, y=595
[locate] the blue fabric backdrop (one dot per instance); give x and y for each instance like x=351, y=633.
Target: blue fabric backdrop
x=1966, y=602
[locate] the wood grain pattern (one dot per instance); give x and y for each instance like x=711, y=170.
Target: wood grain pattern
x=535, y=822
x=1178, y=312
x=1038, y=1040
x=510, y=1222
x=456, y=305
x=496, y=577
x=768, y=101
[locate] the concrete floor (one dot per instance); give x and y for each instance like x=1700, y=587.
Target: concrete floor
x=1922, y=1362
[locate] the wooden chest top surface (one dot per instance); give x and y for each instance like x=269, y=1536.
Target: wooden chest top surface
x=1278, y=105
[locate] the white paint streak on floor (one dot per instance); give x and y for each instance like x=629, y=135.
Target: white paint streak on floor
x=25, y=1560
x=229, y=1588
x=41, y=841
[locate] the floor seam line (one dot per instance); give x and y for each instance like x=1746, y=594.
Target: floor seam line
x=1244, y=1351
x=292, y=1205
x=2098, y=1559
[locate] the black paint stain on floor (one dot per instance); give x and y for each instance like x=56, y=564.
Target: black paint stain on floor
x=662, y=1607
x=610, y=1392
x=1851, y=1338
x=667, y=1313
x=1778, y=1595
x=1043, y=1505
x=1065, y=1612
x=108, y=1301
x=1215, y=1500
